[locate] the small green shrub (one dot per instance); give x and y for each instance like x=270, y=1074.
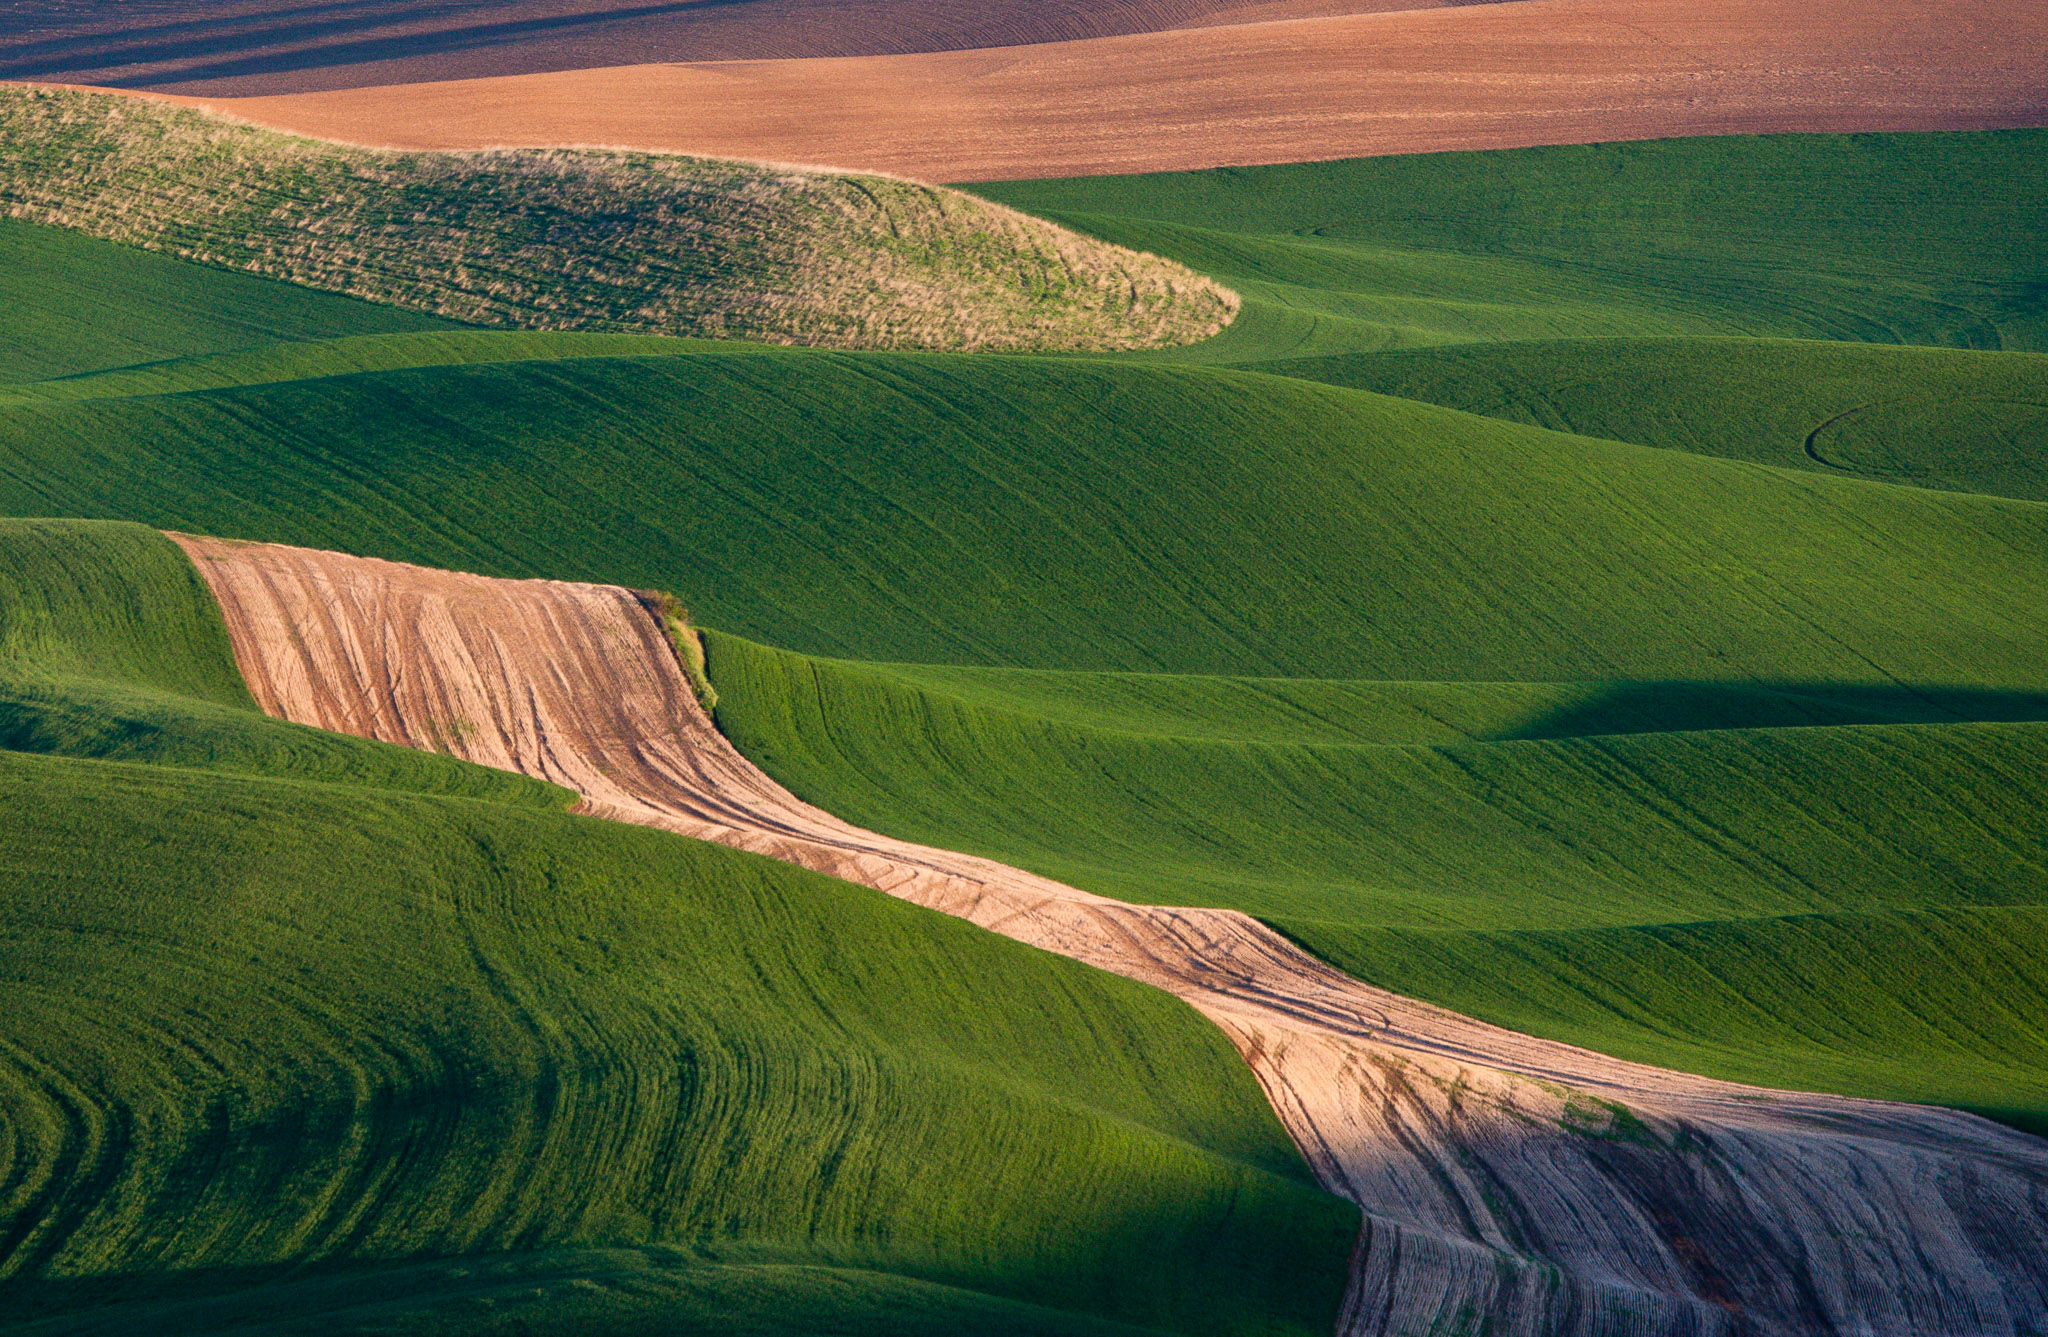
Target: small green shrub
x=688, y=645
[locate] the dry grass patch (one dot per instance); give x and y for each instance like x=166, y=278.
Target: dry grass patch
x=591, y=239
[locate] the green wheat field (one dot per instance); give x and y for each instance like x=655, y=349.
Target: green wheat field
x=1602, y=590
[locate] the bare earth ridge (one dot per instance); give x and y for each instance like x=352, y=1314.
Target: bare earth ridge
x=1482, y=76
x=1546, y=1188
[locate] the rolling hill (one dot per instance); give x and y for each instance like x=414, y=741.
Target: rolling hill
x=1471, y=610
x=1071, y=515
x=1964, y=421
x=317, y=1017
x=1744, y=298
x=1365, y=838
x=1919, y=239
x=590, y=239
x=1333, y=83
x=1816, y=897
x=1601, y=1205
x=265, y=47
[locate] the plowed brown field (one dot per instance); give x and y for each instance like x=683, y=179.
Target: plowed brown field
x=1493, y=76
x=240, y=48
x=1526, y=1184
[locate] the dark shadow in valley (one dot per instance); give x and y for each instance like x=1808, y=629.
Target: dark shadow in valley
x=1685, y=707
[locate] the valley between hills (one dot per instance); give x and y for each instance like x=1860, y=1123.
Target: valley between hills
x=1326, y=714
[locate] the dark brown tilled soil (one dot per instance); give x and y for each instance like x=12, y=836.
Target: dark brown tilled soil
x=1494, y=76
x=246, y=47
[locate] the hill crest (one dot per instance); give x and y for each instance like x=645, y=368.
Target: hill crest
x=584, y=239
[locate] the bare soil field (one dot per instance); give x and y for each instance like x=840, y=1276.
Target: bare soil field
x=249, y=47
x=1508, y=1183
x=1496, y=76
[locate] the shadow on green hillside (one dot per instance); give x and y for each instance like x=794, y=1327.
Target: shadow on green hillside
x=1691, y=707
x=591, y=1292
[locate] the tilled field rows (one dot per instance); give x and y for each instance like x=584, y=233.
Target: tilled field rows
x=1503, y=1178
x=1422, y=81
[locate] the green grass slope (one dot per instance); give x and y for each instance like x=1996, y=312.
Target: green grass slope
x=1682, y=744
x=345, y=355
x=77, y=304
x=305, y=1031
x=651, y=1291
x=1930, y=417
x=111, y=647
x=269, y=1024
x=1730, y=855
x=1942, y=1006
x=1599, y=289
x=1855, y=906
x=588, y=238
x=1822, y=641
x=1907, y=238
x=1077, y=515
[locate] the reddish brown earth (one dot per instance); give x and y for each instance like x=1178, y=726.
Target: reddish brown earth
x=1533, y=72
x=1509, y=1184
x=235, y=48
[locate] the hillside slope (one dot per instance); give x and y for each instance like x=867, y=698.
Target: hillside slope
x=1927, y=239
x=1375, y=546
x=1694, y=760
x=1075, y=515
x=1144, y=518
x=1965, y=421
x=1727, y=296
x=1338, y=85
x=295, y=1019
x=77, y=304
x=590, y=239
x=1783, y=886
x=274, y=46
x=1517, y=1185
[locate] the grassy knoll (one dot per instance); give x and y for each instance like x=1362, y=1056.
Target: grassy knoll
x=1931, y=417
x=1854, y=906
x=1595, y=829
x=271, y=1023
x=77, y=304
x=1910, y=238
x=1076, y=514
x=111, y=647
x=650, y=1291
x=1732, y=763
x=279, y=1000
x=311, y=359
x=1941, y=1006
x=591, y=239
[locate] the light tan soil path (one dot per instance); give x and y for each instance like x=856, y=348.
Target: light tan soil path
x=1488, y=76
x=1548, y=1189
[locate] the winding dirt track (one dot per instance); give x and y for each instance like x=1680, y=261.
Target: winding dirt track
x=1482, y=76
x=1545, y=1188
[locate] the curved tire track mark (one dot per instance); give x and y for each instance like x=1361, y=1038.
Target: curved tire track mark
x=1496, y=1195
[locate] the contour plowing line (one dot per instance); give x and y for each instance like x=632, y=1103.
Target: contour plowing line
x=1510, y=1184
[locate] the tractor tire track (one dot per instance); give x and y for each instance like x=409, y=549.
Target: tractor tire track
x=1509, y=1184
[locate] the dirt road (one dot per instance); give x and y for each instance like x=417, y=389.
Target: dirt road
x=1544, y=1189
x=1484, y=76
